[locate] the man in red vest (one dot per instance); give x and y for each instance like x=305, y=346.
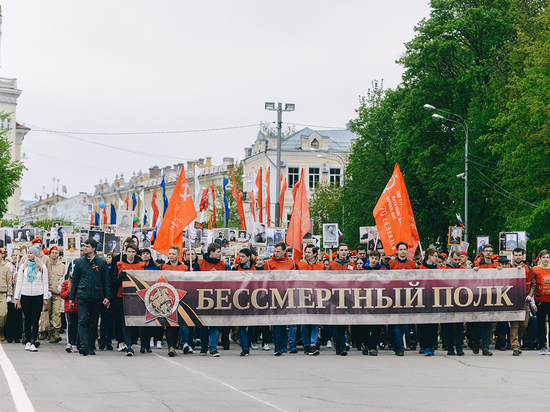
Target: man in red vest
x=280, y=261
x=542, y=296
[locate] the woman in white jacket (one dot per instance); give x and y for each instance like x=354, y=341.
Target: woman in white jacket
x=31, y=293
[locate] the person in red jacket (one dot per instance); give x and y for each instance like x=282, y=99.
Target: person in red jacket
x=310, y=333
x=542, y=297
x=342, y=262
x=455, y=331
x=130, y=263
x=486, y=262
x=175, y=265
x=400, y=262
x=517, y=329
x=71, y=314
x=211, y=261
x=280, y=261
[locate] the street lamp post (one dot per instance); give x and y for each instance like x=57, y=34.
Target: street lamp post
x=464, y=126
x=289, y=107
x=341, y=161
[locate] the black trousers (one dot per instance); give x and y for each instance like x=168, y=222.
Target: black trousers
x=13, y=329
x=88, y=318
x=428, y=335
x=32, y=308
x=543, y=310
x=366, y=335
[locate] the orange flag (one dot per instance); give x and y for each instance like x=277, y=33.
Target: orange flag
x=259, y=200
x=240, y=208
x=180, y=212
x=252, y=205
x=213, y=205
x=155, y=208
x=299, y=223
x=234, y=191
x=105, y=215
x=127, y=201
x=294, y=189
x=394, y=216
x=210, y=227
x=268, y=189
x=282, y=198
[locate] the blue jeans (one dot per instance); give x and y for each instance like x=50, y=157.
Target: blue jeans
x=107, y=328
x=310, y=338
x=187, y=334
x=339, y=332
x=88, y=317
x=398, y=331
x=282, y=337
x=246, y=334
x=209, y=338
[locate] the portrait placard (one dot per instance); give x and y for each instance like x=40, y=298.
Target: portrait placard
x=71, y=249
x=259, y=234
x=481, y=241
x=330, y=235
x=455, y=235
x=124, y=223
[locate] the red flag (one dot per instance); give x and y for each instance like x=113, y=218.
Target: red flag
x=180, y=212
x=282, y=198
x=127, y=201
x=259, y=200
x=210, y=227
x=268, y=189
x=104, y=215
x=240, y=208
x=214, y=204
x=234, y=191
x=394, y=216
x=252, y=205
x=294, y=189
x=204, y=200
x=91, y=219
x=155, y=208
x=299, y=223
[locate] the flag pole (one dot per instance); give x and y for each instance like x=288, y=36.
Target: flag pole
x=189, y=240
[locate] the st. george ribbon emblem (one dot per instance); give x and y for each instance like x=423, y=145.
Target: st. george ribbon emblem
x=161, y=300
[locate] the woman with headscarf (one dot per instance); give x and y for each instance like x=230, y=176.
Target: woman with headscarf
x=31, y=294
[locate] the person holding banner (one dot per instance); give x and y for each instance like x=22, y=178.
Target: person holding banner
x=368, y=336
x=130, y=262
x=175, y=265
x=486, y=262
x=401, y=263
x=342, y=262
x=517, y=329
x=246, y=333
x=281, y=261
x=542, y=296
x=428, y=331
x=188, y=332
x=147, y=332
x=455, y=331
x=211, y=261
x=310, y=333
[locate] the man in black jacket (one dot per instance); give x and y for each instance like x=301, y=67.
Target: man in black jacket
x=92, y=287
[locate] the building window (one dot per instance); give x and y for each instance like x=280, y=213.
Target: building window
x=293, y=176
x=334, y=176
x=315, y=144
x=313, y=177
x=9, y=123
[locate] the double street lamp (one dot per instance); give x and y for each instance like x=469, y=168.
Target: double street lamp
x=289, y=107
x=464, y=126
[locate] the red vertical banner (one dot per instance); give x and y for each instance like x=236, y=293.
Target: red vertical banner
x=240, y=207
x=259, y=198
x=394, y=216
x=282, y=199
x=213, y=205
x=268, y=190
x=252, y=205
x=300, y=222
x=155, y=208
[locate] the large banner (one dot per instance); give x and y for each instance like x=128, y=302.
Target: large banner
x=168, y=298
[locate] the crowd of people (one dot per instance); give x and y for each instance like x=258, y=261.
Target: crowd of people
x=41, y=297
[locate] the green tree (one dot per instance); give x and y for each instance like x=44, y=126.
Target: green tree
x=325, y=206
x=11, y=171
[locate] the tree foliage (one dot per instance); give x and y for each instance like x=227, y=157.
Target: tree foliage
x=325, y=206
x=487, y=62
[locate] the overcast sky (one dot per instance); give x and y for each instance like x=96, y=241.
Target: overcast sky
x=149, y=66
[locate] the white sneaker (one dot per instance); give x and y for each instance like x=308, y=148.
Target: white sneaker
x=543, y=351
x=75, y=349
x=152, y=343
x=329, y=344
x=28, y=346
x=254, y=346
x=33, y=348
x=159, y=344
x=190, y=350
x=121, y=347
x=266, y=347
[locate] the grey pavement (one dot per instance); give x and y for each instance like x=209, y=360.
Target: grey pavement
x=58, y=381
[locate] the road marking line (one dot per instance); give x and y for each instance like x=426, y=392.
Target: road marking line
x=223, y=383
x=18, y=392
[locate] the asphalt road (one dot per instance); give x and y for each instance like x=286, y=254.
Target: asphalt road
x=57, y=381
